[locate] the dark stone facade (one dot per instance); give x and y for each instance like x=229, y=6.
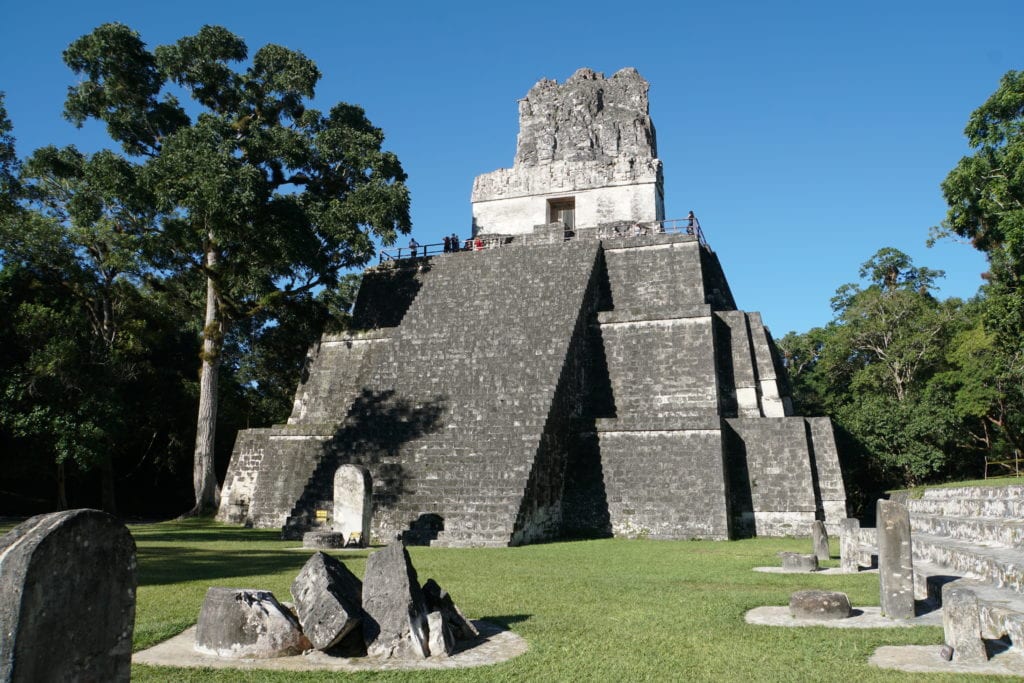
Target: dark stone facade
x=545, y=389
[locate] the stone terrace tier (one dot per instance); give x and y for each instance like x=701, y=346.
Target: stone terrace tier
x=541, y=389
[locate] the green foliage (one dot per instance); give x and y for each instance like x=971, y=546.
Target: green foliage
x=265, y=197
x=880, y=370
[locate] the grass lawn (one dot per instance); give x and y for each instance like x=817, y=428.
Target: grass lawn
x=607, y=610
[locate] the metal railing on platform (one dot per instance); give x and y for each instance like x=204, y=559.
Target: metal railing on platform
x=676, y=226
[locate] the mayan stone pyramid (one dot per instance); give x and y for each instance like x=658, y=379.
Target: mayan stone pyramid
x=583, y=371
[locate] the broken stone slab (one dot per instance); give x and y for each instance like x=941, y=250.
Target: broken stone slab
x=961, y=624
x=395, y=613
x=68, y=580
x=819, y=540
x=849, y=545
x=328, y=600
x=240, y=623
x=895, y=560
x=798, y=562
x=324, y=540
x=817, y=604
x=438, y=599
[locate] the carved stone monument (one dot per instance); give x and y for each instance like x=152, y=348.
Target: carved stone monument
x=895, y=560
x=819, y=540
x=68, y=585
x=961, y=624
x=353, y=508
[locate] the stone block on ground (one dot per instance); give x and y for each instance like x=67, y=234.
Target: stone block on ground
x=328, y=600
x=323, y=540
x=961, y=624
x=819, y=540
x=241, y=623
x=816, y=604
x=68, y=580
x=438, y=599
x=798, y=562
x=849, y=545
x=895, y=560
x=395, y=613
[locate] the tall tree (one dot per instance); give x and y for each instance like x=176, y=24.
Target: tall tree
x=266, y=198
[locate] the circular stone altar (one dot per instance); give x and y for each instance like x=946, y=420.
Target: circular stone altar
x=323, y=540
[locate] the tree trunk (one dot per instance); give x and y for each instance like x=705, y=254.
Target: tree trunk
x=204, y=478
x=62, y=493
x=108, y=500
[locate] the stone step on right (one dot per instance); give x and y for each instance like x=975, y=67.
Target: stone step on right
x=969, y=501
x=1008, y=532
x=998, y=565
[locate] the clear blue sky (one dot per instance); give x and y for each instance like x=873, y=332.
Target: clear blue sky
x=805, y=135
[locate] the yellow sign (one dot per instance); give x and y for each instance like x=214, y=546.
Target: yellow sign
x=321, y=514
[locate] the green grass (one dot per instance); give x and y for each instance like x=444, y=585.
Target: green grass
x=608, y=610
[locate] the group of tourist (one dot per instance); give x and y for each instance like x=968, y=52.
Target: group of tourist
x=451, y=244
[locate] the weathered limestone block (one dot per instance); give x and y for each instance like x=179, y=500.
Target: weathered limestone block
x=242, y=623
x=353, y=508
x=961, y=624
x=895, y=560
x=815, y=604
x=798, y=562
x=819, y=540
x=438, y=599
x=395, y=613
x=849, y=545
x=68, y=581
x=328, y=600
x=323, y=540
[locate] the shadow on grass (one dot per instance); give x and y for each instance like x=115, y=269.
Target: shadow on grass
x=506, y=620
x=162, y=566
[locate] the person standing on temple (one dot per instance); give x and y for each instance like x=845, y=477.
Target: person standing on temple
x=413, y=246
x=447, y=244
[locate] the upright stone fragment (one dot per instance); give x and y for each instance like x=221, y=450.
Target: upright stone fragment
x=328, y=599
x=395, y=614
x=353, y=487
x=68, y=585
x=442, y=643
x=439, y=600
x=849, y=545
x=241, y=623
x=819, y=539
x=895, y=560
x=961, y=624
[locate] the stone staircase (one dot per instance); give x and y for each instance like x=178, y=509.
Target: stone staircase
x=975, y=536
x=464, y=471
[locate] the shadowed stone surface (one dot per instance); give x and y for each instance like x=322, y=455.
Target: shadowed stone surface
x=816, y=604
x=961, y=624
x=819, y=540
x=68, y=584
x=328, y=599
x=799, y=562
x=395, y=621
x=239, y=623
x=895, y=560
